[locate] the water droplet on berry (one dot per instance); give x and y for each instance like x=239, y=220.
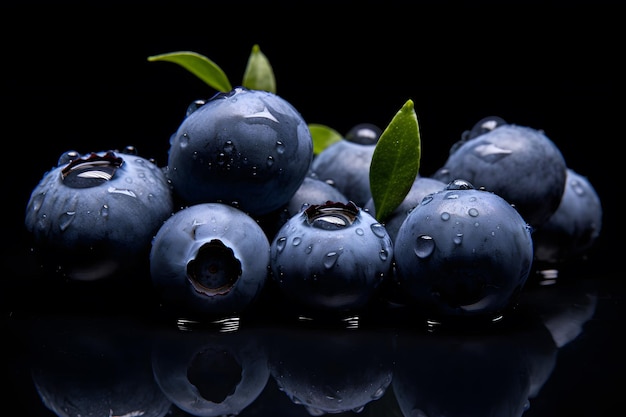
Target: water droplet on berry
x=359, y=231
x=379, y=230
x=66, y=219
x=280, y=243
x=445, y=216
x=424, y=246
x=280, y=147
x=296, y=241
x=472, y=212
x=330, y=259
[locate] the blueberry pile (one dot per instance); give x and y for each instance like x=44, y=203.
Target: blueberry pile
x=244, y=200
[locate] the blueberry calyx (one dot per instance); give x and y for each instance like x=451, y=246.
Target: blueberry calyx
x=215, y=269
x=332, y=215
x=91, y=171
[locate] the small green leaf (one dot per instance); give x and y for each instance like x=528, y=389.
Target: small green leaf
x=396, y=160
x=259, y=74
x=199, y=65
x=323, y=136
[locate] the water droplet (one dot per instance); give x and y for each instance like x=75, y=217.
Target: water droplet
x=472, y=212
x=379, y=230
x=330, y=259
x=104, y=211
x=38, y=201
x=184, y=140
x=359, y=231
x=458, y=239
x=114, y=190
x=270, y=161
x=280, y=243
x=577, y=187
x=452, y=196
x=491, y=153
x=280, y=147
x=424, y=246
x=228, y=146
x=427, y=200
x=308, y=249
x=66, y=219
x=296, y=241
x=445, y=216
x=383, y=254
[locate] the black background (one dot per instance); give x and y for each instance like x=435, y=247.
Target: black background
x=76, y=76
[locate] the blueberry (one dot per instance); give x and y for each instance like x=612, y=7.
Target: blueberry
x=94, y=215
x=574, y=227
x=519, y=163
x=463, y=252
x=346, y=165
x=209, y=260
x=246, y=148
x=364, y=133
x=331, y=257
x=421, y=187
x=314, y=191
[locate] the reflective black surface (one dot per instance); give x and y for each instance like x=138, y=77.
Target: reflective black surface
x=81, y=80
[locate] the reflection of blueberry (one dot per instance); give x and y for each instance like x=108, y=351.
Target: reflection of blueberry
x=575, y=225
x=246, y=148
x=331, y=257
x=421, y=187
x=346, y=165
x=463, y=252
x=94, y=366
x=96, y=214
x=209, y=373
x=209, y=259
x=329, y=371
x=520, y=164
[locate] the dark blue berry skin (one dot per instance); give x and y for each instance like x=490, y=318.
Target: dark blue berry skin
x=246, y=148
x=331, y=257
x=519, y=163
x=346, y=165
x=574, y=227
x=314, y=191
x=421, y=187
x=95, y=215
x=463, y=252
x=209, y=260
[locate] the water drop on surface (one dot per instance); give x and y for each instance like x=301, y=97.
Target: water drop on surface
x=359, y=231
x=296, y=241
x=280, y=243
x=424, y=246
x=280, y=147
x=378, y=229
x=66, y=219
x=472, y=212
x=445, y=216
x=330, y=259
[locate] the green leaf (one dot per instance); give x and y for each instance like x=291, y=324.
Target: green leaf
x=396, y=160
x=199, y=65
x=323, y=136
x=259, y=74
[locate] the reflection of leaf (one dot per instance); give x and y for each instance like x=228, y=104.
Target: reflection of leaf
x=199, y=65
x=259, y=74
x=395, y=162
x=323, y=136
